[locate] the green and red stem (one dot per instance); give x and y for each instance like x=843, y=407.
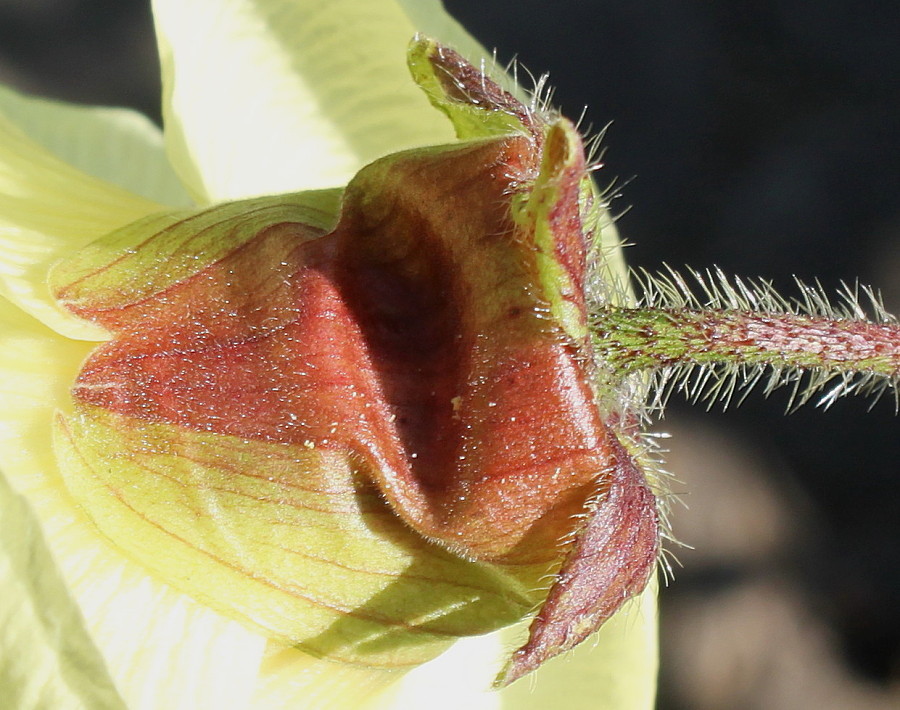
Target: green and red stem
x=633, y=339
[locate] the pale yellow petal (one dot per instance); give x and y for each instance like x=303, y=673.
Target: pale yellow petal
x=118, y=145
x=271, y=96
x=292, y=679
x=460, y=678
x=163, y=649
x=48, y=657
x=614, y=670
x=37, y=368
x=47, y=210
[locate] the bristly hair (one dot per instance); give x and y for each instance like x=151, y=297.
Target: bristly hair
x=720, y=382
x=649, y=454
x=536, y=94
x=719, y=292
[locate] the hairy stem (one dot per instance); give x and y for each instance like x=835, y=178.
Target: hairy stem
x=634, y=339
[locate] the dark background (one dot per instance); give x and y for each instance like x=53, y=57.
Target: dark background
x=761, y=137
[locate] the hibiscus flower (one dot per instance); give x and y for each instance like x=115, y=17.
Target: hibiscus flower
x=270, y=109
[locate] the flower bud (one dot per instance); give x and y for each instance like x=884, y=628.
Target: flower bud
x=369, y=422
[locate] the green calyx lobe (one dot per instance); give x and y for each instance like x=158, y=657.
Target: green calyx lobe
x=368, y=429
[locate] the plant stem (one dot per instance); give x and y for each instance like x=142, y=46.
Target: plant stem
x=632, y=339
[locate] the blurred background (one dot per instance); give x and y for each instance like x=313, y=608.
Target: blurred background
x=760, y=137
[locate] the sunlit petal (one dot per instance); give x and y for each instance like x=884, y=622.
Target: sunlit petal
x=49, y=659
x=48, y=209
x=292, y=679
x=613, y=670
x=118, y=145
x=300, y=95
x=460, y=678
x=163, y=649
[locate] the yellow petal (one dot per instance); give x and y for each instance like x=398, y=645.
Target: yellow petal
x=49, y=659
x=37, y=368
x=163, y=649
x=292, y=679
x=613, y=670
x=47, y=210
x=278, y=96
x=118, y=145
x=460, y=678
x=431, y=19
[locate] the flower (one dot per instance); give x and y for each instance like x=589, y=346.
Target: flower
x=260, y=98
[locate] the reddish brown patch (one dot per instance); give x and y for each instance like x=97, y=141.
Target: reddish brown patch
x=391, y=339
x=463, y=83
